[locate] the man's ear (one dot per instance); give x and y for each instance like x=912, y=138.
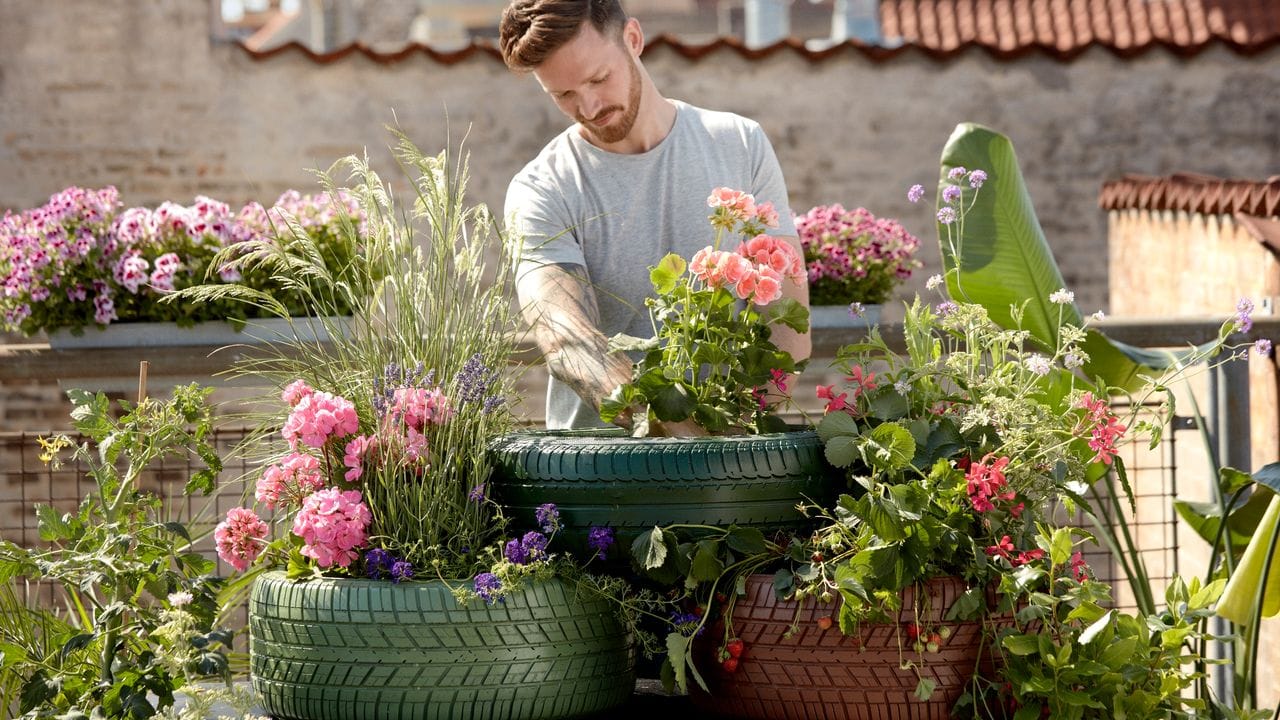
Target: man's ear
x=633, y=36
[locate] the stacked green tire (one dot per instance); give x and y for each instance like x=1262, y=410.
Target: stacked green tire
x=351, y=649
x=605, y=478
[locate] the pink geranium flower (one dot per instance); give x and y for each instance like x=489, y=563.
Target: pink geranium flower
x=332, y=524
x=239, y=537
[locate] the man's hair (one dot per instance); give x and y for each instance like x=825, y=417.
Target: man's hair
x=533, y=29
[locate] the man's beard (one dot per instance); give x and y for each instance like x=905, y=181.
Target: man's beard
x=618, y=130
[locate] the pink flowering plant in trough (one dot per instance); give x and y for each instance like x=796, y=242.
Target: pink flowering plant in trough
x=711, y=359
x=376, y=463
x=84, y=259
x=851, y=256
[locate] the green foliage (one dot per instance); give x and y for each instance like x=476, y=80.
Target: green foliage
x=1068, y=656
x=143, y=602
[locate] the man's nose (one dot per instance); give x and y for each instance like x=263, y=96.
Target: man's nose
x=589, y=105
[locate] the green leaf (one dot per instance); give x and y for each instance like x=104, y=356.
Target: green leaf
x=788, y=312
x=649, y=550
x=1021, y=644
x=666, y=274
x=1119, y=652
x=889, y=447
x=841, y=451
x=52, y=525
x=746, y=540
x=924, y=689
x=672, y=403
x=1269, y=476
x=178, y=529
x=1097, y=627
x=883, y=516
x=76, y=642
x=706, y=565
x=837, y=424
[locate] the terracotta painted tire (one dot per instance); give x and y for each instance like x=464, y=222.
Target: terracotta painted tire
x=632, y=484
x=821, y=674
x=351, y=649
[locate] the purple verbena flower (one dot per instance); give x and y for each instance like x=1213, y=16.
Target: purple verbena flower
x=947, y=215
x=1262, y=346
x=951, y=193
x=915, y=193
x=401, y=570
x=956, y=172
x=976, y=178
x=487, y=586
x=548, y=517
x=376, y=561
x=600, y=539
x=946, y=307
x=535, y=545
x=478, y=493
x=515, y=552
x=1244, y=310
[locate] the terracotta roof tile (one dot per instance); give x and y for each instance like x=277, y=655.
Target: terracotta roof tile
x=1006, y=29
x=1254, y=204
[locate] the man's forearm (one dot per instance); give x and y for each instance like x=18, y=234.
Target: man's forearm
x=560, y=306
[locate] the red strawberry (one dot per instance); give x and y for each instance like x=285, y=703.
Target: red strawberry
x=735, y=648
x=913, y=631
x=731, y=665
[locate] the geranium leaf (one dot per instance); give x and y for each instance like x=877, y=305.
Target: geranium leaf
x=666, y=273
x=788, y=312
x=671, y=403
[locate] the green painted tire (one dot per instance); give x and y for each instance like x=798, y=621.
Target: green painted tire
x=631, y=484
x=353, y=649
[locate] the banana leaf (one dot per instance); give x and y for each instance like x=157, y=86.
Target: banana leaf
x=1000, y=258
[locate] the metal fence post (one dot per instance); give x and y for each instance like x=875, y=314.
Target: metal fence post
x=1229, y=433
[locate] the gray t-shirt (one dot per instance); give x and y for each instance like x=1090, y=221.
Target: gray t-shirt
x=617, y=215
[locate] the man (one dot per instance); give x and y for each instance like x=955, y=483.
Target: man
x=614, y=193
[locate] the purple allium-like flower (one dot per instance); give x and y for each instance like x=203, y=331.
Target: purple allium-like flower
x=951, y=193
x=376, y=561
x=956, y=172
x=478, y=493
x=915, y=193
x=1262, y=346
x=1244, y=309
x=945, y=308
x=947, y=215
x=548, y=517
x=600, y=539
x=976, y=178
x=487, y=586
x=401, y=570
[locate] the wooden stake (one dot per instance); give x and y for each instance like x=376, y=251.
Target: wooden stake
x=142, y=380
